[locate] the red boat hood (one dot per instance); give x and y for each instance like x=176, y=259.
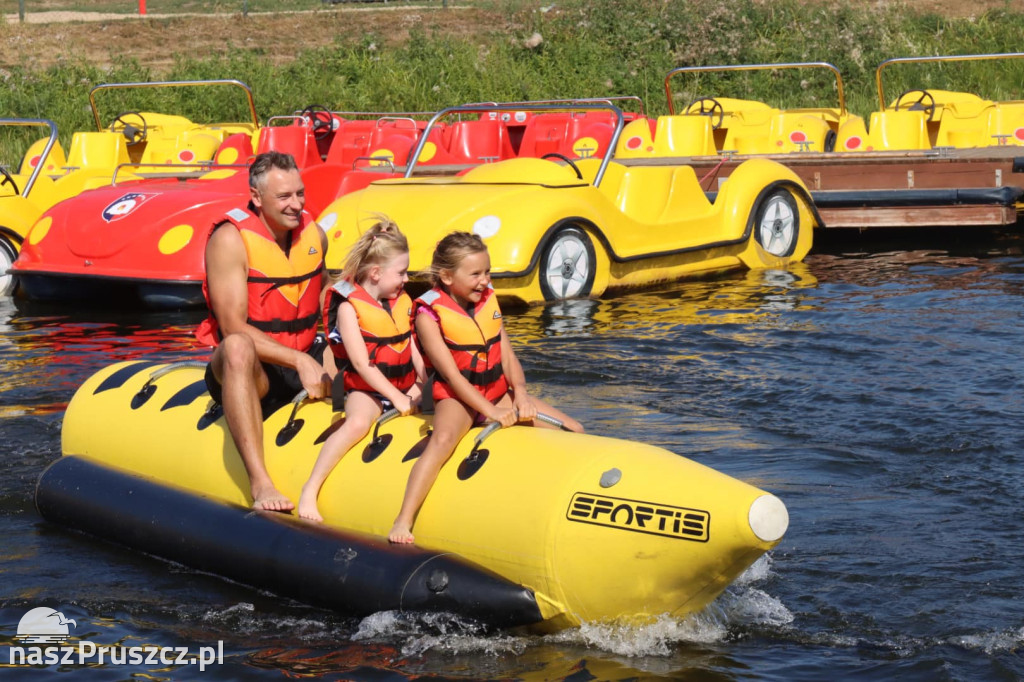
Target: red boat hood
x=100, y=223
x=153, y=229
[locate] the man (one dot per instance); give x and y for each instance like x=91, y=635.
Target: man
x=264, y=269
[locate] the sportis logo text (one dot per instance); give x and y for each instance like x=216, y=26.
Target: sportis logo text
x=641, y=517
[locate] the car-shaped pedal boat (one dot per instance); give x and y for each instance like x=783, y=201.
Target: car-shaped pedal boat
x=597, y=528
x=149, y=143
x=135, y=147
x=470, y=139
x=929, y=158
x=922, y=118
x=928, y=118
x=715, y=125
x=25, y=193
x=559, y=228
x=140, y=240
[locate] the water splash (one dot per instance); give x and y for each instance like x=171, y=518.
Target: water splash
x=658, y=638
x=419, y=633
x=244, y=618
x=1007, y=641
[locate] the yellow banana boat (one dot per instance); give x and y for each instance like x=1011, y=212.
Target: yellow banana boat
x=597, y=528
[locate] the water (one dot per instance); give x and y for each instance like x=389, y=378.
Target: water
x=878, y=393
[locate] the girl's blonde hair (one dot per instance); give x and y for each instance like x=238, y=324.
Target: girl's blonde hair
x=451, y=250
x=379, y=244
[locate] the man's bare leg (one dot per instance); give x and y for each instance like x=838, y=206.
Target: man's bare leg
x=243, y=382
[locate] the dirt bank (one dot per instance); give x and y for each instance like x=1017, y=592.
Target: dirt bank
x=153, y=40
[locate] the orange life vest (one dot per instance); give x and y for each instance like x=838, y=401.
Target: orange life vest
x=474, y=341
x=386, y=331
x=284, y=288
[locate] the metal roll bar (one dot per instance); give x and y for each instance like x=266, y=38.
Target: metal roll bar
x=757, y=67
x=526, y=106
x=169, y=84
x=945, y=58
x=41, y=122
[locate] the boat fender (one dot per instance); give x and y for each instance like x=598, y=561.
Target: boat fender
x=350, y=572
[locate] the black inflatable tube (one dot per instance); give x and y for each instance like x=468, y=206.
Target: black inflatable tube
x=861, y=198
x=345, y=571
x=968, y=196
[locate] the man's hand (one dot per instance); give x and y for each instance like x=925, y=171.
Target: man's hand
x=313, y=376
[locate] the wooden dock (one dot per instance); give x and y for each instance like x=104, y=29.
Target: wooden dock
x=981, y=187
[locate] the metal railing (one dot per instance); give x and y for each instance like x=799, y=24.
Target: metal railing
x=937, y=59
x=571, y=106
x=41, y=122
x=757, y=67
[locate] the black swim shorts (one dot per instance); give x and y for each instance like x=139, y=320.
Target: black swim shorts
x=284, y=381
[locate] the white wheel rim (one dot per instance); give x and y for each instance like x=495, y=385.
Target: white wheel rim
x=778, y=226
x=6, y=278
x=568, y=266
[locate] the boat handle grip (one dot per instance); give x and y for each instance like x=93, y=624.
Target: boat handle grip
x=494, y=426
x=183, y=364
x=296, y=401
x=384, y=419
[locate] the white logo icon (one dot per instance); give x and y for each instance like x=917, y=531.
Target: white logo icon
x=42, y=640
x=43, y=625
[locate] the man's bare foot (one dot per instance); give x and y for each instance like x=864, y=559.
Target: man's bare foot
x=307, y=505
x=271, y=499
x=400, y=534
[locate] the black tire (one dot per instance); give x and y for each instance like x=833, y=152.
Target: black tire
x=830, y=141
x=567, y=265
x=8, y=255
x=777, y=223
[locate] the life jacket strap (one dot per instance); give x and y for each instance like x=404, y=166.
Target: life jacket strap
x=477, y=347
x=387, y=340
x=484, y=378
x=396, y=371
x=282, y=281
x=278, y=326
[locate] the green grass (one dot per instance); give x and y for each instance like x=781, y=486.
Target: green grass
x=588, y=49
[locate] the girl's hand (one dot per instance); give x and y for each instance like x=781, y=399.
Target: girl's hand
x=527, y=410
x=405, y=406
x=415, y=394
x=506, y=416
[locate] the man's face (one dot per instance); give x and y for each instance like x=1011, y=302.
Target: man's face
x=280, y=198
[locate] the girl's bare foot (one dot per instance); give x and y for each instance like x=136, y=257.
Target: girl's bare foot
x=307, y=505
x=400, y=534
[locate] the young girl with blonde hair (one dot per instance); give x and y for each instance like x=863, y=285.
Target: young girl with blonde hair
x=367, y=317
x=477, y=376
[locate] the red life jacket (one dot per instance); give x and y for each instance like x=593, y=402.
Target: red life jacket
x=284, y=288
x=474, y=341
x=386, y=331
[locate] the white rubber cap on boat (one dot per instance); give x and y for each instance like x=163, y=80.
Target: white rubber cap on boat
x=768, y=518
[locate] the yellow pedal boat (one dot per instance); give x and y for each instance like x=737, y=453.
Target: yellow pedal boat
x=599, y=529
x=558, y=228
